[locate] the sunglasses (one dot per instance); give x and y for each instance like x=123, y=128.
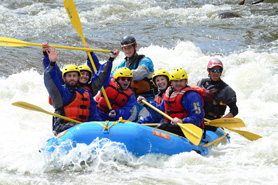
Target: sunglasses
x=216, y=70
x=125, y=78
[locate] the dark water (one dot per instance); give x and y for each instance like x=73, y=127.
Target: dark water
x=161, y=23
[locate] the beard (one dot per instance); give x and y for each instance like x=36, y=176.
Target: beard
x=72, y=83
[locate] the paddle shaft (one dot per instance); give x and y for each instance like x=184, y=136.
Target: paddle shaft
x=63, y=117
x=151, y=124
x=157, y=110
x=32, y=107
x=102, y=88
x=224, y=122
x=9, y=42
x=168, y=117
x=75, y=20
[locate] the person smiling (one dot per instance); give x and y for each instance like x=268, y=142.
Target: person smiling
x=90, y=80
x=85, y=76
x=69, y=99
x=181, y=102
x=120, y=96
x=142, y=69
x=222, y=95
x=161, y=81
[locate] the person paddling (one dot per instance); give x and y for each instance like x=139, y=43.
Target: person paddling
x=120, y=96
x=161, y=81
x=222, y=95
x=181, y=102
x=69, y=99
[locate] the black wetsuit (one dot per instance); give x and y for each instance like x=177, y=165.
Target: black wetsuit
x=224, y=96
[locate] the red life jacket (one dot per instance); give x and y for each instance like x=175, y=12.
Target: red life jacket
x=207, y=95
x=173, y=106
x=117, y=97
x=159, y=97
x=172, y=103
x=77, y=108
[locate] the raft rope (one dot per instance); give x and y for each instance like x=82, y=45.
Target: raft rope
x=122, y=120
x=106, y=127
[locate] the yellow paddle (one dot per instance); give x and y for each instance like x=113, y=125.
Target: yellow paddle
x=249, y=135
x=11, y=42
x=75, y=21
x=32, y=107
x=151, y=124
x=223, y=122
x=191, y=132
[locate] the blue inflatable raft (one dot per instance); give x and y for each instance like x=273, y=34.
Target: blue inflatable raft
x=138, y=139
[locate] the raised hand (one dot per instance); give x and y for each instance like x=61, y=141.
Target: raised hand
x=52, y=55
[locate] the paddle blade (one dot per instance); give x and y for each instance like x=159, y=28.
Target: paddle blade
x=74, y=17
x=249, y=135
x=226, y=122
x=28, y=106
x=191, y=132
x=10, y=42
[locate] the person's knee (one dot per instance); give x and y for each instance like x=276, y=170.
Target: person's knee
x=163, y=126
x=143, y=113
x=62, y=127
x=134, y=114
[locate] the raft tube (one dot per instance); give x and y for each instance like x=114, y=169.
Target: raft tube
x=138, y=139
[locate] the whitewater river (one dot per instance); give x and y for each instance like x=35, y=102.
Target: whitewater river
x=173, y=33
